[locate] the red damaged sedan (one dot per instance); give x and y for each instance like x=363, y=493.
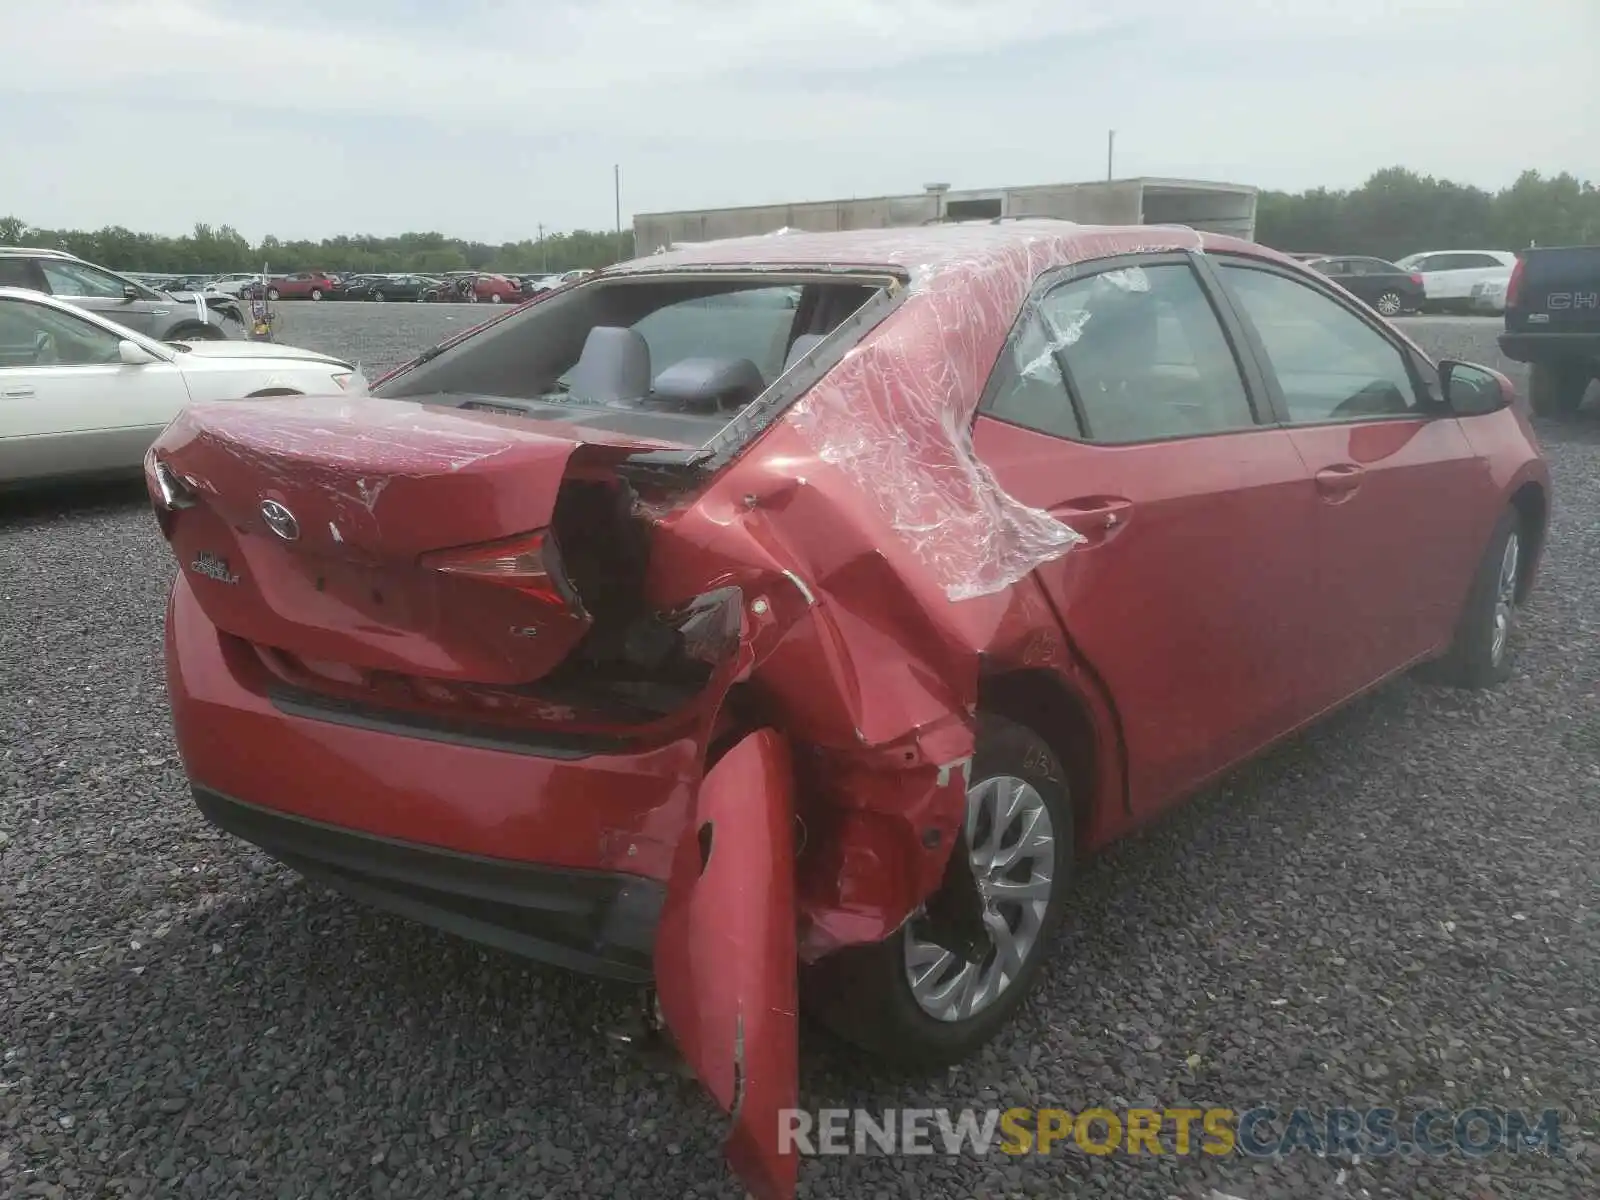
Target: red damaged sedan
x=787, y=616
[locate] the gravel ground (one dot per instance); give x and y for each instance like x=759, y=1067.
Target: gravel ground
x=1401, y=908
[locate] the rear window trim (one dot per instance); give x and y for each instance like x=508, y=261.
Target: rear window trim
x=741, y=429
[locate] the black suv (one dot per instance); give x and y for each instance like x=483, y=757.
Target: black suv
x=1553, y=324
x=156, y=314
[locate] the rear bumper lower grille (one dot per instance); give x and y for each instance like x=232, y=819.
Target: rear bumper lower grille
x=594, y=922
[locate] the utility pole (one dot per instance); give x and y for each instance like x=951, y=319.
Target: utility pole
x=544, y=251
x=616, y=174
x=1111, y=149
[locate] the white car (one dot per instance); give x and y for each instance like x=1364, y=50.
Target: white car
x=233, y=285
x=81, y=395
x=1448, y=276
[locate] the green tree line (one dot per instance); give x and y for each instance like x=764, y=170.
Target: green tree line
x=1398, y=212
x=221, y=249
x=1394, y=213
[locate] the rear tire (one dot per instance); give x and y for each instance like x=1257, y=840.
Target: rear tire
x=1389, y=304
x=1556, y=389
x=864, y=994
x=496, y=298
x=1480, y=654
x=316, y=293
x=274, y=294
x=378, y=297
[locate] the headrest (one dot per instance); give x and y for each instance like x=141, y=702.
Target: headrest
x=614, y=365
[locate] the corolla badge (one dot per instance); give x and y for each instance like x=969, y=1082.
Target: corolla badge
x=280, y=520
x=213, y=566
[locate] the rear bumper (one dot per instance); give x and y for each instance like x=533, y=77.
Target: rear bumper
x=1550, y=347
x=590, y=921
x=551, y=807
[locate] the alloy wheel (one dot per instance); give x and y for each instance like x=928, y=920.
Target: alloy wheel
x=1389, y=304
x=1505, y=598
x=1011, y=845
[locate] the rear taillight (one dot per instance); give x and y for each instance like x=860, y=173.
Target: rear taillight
x=1514, y=284
x=168, y=489
x=527, y=563
x=1416, y=278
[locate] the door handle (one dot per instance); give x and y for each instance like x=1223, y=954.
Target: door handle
x=1339, y=481
x=1094, y=518
x=17, y=393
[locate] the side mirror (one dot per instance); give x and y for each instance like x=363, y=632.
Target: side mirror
x=129, y=292
x=131, y=354
x=1473, y=391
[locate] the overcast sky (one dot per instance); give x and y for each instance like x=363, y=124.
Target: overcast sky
x=484, y=118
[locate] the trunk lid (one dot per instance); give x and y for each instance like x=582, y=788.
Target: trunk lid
x=383, y=534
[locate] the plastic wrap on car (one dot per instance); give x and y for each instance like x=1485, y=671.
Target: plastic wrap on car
x=912, y=450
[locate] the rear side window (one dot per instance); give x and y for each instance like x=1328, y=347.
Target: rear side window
x=17, y=272
x=1330, y=364
x=1144, y=356
x=1029, y=388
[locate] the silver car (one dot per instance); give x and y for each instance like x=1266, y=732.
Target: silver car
x=157, y=314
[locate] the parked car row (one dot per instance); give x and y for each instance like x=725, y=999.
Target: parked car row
x=460, y=287
x=1434, y=281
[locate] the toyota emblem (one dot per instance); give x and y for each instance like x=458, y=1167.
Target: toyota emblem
x=280, y=520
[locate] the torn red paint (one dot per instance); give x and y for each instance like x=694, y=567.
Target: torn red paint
x=725, y=953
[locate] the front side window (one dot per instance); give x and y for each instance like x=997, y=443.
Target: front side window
x=1330, y=364
x=80, y=279
x=1145, y=355
x=34, y=335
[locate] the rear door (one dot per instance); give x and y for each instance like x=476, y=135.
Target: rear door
x=1124, y=407
x=106, y=294
x=1396, y=482
x=67, y=403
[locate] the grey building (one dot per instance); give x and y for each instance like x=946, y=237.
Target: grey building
x=1215, y=207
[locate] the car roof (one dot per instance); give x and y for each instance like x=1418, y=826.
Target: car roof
x=35, y=252
x=935, y=249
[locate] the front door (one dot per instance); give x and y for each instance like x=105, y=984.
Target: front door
x=106, y=294
x=68, y=404
x=1397, y=485
x=1122, y=408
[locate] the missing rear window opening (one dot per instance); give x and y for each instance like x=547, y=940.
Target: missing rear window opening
x=671, y=358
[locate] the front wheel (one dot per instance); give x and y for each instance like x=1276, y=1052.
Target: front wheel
x=911, y=999
x=1480, y=654
x=1389, y=304
x=1556, y=389
x=496, y=298
x=378, y=297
